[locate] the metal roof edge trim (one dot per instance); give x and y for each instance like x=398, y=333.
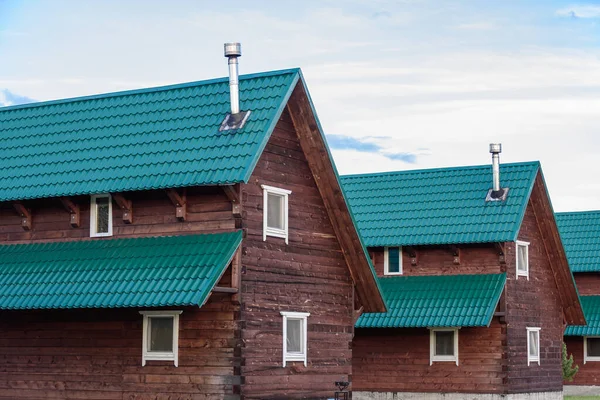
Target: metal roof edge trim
x=272, y=126
x=337, y=177
x=146, y=90
x=569, y=213
x=497, y=300
x=523, y=210
x=230, y=256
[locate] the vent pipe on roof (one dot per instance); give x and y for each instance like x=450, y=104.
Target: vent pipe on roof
x=497, y=193
x=232, y=52
x=236, y=119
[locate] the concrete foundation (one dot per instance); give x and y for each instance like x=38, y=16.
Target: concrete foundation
x=457, y=396
x=581, y=390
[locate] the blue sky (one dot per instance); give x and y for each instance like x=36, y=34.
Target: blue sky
x=397, y=84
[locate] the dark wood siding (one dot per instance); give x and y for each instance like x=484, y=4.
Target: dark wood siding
x=533, y=303
x=588, y=283
x=307, y=275
x=397, y=360
x=588, y=374
x=96, y=354
x=208, y=210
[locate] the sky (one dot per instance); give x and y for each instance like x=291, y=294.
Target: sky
x=397, y=85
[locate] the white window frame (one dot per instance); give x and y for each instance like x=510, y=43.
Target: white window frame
x=434, y=358
x=587, y=358
x=534, y=359
x=522, y=273
x=94, y=219
x=386, y=261
x=160, y=355
x=302, y=356
x=280, y=233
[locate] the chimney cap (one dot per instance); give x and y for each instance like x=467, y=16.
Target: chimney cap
x=495, y=148
x=233, y=50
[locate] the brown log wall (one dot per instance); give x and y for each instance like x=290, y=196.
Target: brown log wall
x=533, y=303
x=208, y=210
x=588, y=283
x=588, y=374
x=97, y=354
x=397, y=360
x=307, y=275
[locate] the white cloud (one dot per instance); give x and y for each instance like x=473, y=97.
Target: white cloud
x=580, y=11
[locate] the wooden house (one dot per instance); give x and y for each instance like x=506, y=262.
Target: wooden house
x=160, y=244
x=476, y=282
x=580, y=233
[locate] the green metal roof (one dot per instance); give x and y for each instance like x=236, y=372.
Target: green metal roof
x=437, y=301
x=591, y=309
x=138, y=140
x=439, y=206
x=580, y=234
x=144, y=272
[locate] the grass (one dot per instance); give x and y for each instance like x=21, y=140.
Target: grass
x=582, y=397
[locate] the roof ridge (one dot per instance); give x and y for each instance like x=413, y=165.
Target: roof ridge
x=455, y=168
x=147, y=90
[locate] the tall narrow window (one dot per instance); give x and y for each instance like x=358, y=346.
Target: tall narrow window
x=533, y=345
x=295, y=343
x=101, y=215
x=443, y=345
x=275, y=208
x=160, y=336
x=522, y=259
x=591, y=349
x=392, y=261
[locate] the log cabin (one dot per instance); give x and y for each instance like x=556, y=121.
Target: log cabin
x=476, y=282
x=184, y=242
x=580, y=233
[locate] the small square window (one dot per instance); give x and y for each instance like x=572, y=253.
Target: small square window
x=533, y=345
x=275, y=217
x=294, y=336
x=101, y=215
x=160, y=336
x=522, y=259
x=392, y=261
x=591, y=349
x=443, y=345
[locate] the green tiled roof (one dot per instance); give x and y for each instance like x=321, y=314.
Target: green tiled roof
x=144, y=272
x=591, y=309
x=437, y=301
x=138, y=140
x=439, y=206
x=580, y=234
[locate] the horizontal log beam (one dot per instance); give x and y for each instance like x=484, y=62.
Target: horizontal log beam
x=221, y=289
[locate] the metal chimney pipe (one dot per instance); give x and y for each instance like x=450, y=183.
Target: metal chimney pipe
x=232, y=52
x=496, y=149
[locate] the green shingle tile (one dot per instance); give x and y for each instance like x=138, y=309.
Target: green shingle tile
x=439, y=206
x=580, y=234
x=591, y=309
x=144, y=272
x=137, y=140
x=437, y=301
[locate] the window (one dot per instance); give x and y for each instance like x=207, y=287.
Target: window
x=275, y=218
x=392, y=261
x=160, y=336
x=522, y=259
x=533, y=345
x=294, y=336
x=591, y=349
x=443, y=345
x=101, y=215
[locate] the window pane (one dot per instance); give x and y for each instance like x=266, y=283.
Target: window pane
x=534, y=351
x=522, y=262
x=275, y=211
x=393, y=259
x=593, y=347
x=102, y=214
x=294, y=335
x=444, y=343
x=160, y=337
